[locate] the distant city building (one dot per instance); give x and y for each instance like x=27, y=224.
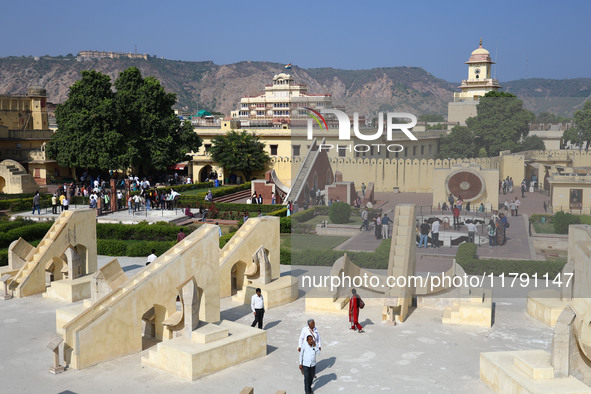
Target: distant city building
x=82, y=55
x=280, y=104
x=479, y=83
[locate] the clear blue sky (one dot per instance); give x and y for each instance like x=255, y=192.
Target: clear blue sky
x=546, y=39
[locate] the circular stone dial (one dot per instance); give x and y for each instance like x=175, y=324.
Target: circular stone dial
x=466, y=184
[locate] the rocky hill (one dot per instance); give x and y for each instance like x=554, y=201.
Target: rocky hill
x=205, y=85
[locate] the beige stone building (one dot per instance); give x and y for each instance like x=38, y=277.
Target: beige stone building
x=24, y=133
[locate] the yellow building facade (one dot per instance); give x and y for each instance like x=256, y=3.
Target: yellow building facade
x=24, y=133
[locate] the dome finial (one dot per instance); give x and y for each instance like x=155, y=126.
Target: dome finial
x=481, y=42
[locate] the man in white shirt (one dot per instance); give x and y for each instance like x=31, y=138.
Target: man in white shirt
x=257, y=304
x=151, y=257
x=471, y=230
x=435, y=233
x=308, y=362
x=310, y=329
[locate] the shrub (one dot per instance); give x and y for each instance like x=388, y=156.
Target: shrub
x=225, y=238
x=3, y=257
x=538, y=218
x=562, y=220
x=29, y=233
x=339, y=213
x=466, y=258
x=111, y=247
x=285, y=224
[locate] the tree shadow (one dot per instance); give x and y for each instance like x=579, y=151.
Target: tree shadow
x=271, y=324
x=324, y=379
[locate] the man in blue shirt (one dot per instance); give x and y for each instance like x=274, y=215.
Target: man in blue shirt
x=308, y=363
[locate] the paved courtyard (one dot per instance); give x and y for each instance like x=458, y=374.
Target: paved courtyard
x=420, y=355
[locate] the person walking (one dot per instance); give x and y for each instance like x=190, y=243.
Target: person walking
x=451, y=200
x=435, y=233
x=378, y=226
x=385, y=224
x=517, y=205
x=54, y=204
x=36, y=203
x=364, y=217
x=310, y=329
x=424, y=230
x=66, y=203
x=363, y=187
x=492, y=232
x=257, y=304
x=456, y=216
x=355, y=304
x=308, y=362
x=471, y=231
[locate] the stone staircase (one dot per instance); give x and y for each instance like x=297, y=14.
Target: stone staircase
x=33, y=271
x=473, y=308
x=302, y=176
x=241, y=195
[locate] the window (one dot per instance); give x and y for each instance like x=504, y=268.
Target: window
x=342, y=151
x=576, y=199
x=296, y=150
x=207, y=147
x=429, y=148
x=405, y=152
x=422, y=150
x=414, y=150
x=273, y=150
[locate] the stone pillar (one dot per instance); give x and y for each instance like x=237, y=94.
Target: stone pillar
x=191, y=308
x=54, y=346
x=113, y=196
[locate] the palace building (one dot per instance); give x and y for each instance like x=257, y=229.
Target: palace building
x=280, y=104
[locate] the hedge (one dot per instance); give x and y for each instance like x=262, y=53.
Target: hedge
x=25, y=204
x=225, y=238
x=466, y=258
x=3, y=257
x=142, y=231
x=115, y=247
x=285, y=224
x=19, y=222
x=28, y=232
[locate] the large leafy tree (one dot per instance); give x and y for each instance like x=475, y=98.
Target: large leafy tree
x=500, y=123
x=132, y=126
x=87, y=135
x=582, y=127
x=239, y=151
x=459, y=143
x=531, y=142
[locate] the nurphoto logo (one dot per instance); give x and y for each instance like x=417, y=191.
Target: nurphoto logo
x=392, y=124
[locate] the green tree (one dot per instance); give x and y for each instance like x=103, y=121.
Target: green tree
x=547, y=117
x=500, y=123
x=582, y=127
x=87, y=135
x=133, y=126
x=239, y=151
x=154, y=134
x=531, y=142
x=459, y=143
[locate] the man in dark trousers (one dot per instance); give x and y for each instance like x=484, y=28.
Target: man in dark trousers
x=257, y=304
x=308, y=362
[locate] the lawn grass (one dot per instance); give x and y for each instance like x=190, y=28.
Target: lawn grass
x=299, y=242
x=544, y=228
x=320, y=218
